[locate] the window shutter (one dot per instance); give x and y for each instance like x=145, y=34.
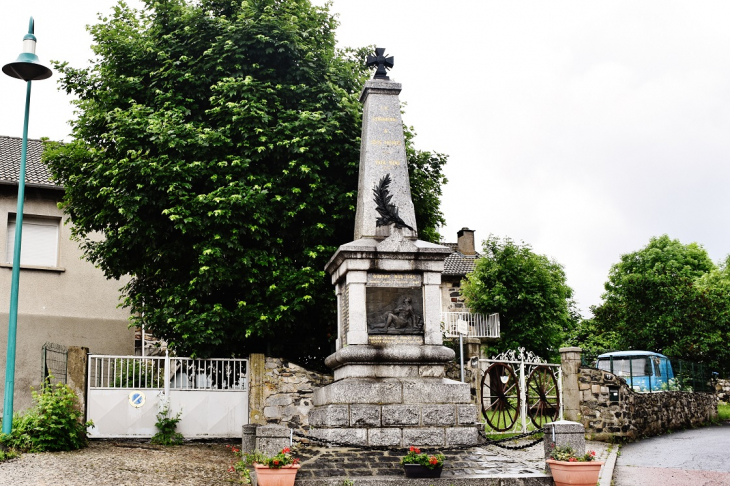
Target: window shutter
x=40, y=242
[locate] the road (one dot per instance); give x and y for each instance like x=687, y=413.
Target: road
x=698, y=457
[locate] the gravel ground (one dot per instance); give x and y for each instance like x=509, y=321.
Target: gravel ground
x=123, y=464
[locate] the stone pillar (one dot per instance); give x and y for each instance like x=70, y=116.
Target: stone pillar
x=76, y=366
x=357, y=326
x=432, y=308
x=472, y=347
x=270, y=439
x=256, y=368
x=564, y=433
x=570, y=366
x=248, y=442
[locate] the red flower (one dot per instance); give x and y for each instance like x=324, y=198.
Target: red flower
x=231, y=469
x=433, y=460
x=572, y=459
x=415, y=449
x=593, y=453
x=235, y=450
x=276, y=462
x=285, y=450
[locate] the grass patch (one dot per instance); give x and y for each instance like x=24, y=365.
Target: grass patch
x=723, y=411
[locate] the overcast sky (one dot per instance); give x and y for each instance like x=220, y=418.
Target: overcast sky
x=582, y=128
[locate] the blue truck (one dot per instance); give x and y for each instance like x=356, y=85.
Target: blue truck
x=644, y=371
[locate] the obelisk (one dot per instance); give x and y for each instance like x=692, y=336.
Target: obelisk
x=389, y=386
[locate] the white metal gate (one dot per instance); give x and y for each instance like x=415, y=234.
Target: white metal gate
x=519, y=391
x=125, y=394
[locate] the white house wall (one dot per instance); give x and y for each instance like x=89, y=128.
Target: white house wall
x=75, y=306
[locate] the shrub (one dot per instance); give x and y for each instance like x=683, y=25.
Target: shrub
x=54, y=423
x=8, y=454
x=166, y=426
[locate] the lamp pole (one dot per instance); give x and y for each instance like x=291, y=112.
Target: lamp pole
x=28, y=68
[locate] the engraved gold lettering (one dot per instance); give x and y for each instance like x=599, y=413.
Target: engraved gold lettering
x=385, y=118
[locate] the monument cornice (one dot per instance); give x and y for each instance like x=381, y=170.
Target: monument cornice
x=379, y=86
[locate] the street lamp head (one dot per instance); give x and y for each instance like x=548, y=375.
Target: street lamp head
x=27, y=67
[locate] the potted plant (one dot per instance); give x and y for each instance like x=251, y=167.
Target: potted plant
x=422, y=465
x=278, y=470
x=568, y=469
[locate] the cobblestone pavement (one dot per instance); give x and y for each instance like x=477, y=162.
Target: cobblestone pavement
x=318, y=462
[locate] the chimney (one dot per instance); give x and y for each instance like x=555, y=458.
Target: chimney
x=466, y=241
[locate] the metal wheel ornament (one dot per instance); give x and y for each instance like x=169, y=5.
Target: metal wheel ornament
x=543, y=398
x=500, y=397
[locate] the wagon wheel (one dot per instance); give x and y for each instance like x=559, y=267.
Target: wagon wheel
x=543, y=401
x=500, y=397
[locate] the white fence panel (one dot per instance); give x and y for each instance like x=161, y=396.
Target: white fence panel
x=125, y=393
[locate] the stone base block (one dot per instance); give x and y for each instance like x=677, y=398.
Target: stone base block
x=355, y=437
x=389, y=371
x=400, y=436
x=392, y=391
x=564, y=433
x=462, y=436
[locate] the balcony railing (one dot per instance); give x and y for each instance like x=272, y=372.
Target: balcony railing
x=479, y=325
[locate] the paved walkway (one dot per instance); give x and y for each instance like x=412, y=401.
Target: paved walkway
x=697, y=457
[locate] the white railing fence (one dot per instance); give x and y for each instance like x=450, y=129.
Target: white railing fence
x=479, y=325
x=166, y=372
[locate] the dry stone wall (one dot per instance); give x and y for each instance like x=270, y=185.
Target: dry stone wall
x=637, y=415
x=722, y=390
x=281, y=392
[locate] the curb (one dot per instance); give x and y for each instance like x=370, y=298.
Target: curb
x=607, y=470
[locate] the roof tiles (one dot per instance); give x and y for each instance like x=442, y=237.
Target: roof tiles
x=458, y=263
x=36, y=172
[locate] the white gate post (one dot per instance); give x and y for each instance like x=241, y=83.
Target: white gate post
x=167, y=376
x=523, y=393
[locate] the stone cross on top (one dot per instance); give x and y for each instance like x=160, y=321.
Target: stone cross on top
x=381, y=62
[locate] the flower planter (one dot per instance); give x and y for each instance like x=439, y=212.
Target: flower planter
x=283, y=476
x=575, y=473
x=418, y=471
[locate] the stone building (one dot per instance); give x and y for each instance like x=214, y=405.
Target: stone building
x=63, y=299
x=482, y=328
x=456, y=267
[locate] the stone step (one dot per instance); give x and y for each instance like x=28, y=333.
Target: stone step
x=522, y=480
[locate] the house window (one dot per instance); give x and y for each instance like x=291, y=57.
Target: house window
x=40, y=241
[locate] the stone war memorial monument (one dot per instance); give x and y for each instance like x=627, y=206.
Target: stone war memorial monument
x=389, y=387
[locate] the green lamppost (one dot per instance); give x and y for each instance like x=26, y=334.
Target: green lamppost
x=28, y=68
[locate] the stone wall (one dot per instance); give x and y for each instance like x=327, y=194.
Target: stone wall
x=281, y=391
x=451, y=298
x=636, y=415
x=722, y=390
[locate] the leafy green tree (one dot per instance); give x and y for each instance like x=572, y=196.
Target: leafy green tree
x=529, y=291
x=216, y=151
x=671, y=298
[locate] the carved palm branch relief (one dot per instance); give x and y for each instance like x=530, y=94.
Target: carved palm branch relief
x=388, y=211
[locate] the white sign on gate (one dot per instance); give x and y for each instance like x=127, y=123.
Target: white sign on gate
x=462, y=327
